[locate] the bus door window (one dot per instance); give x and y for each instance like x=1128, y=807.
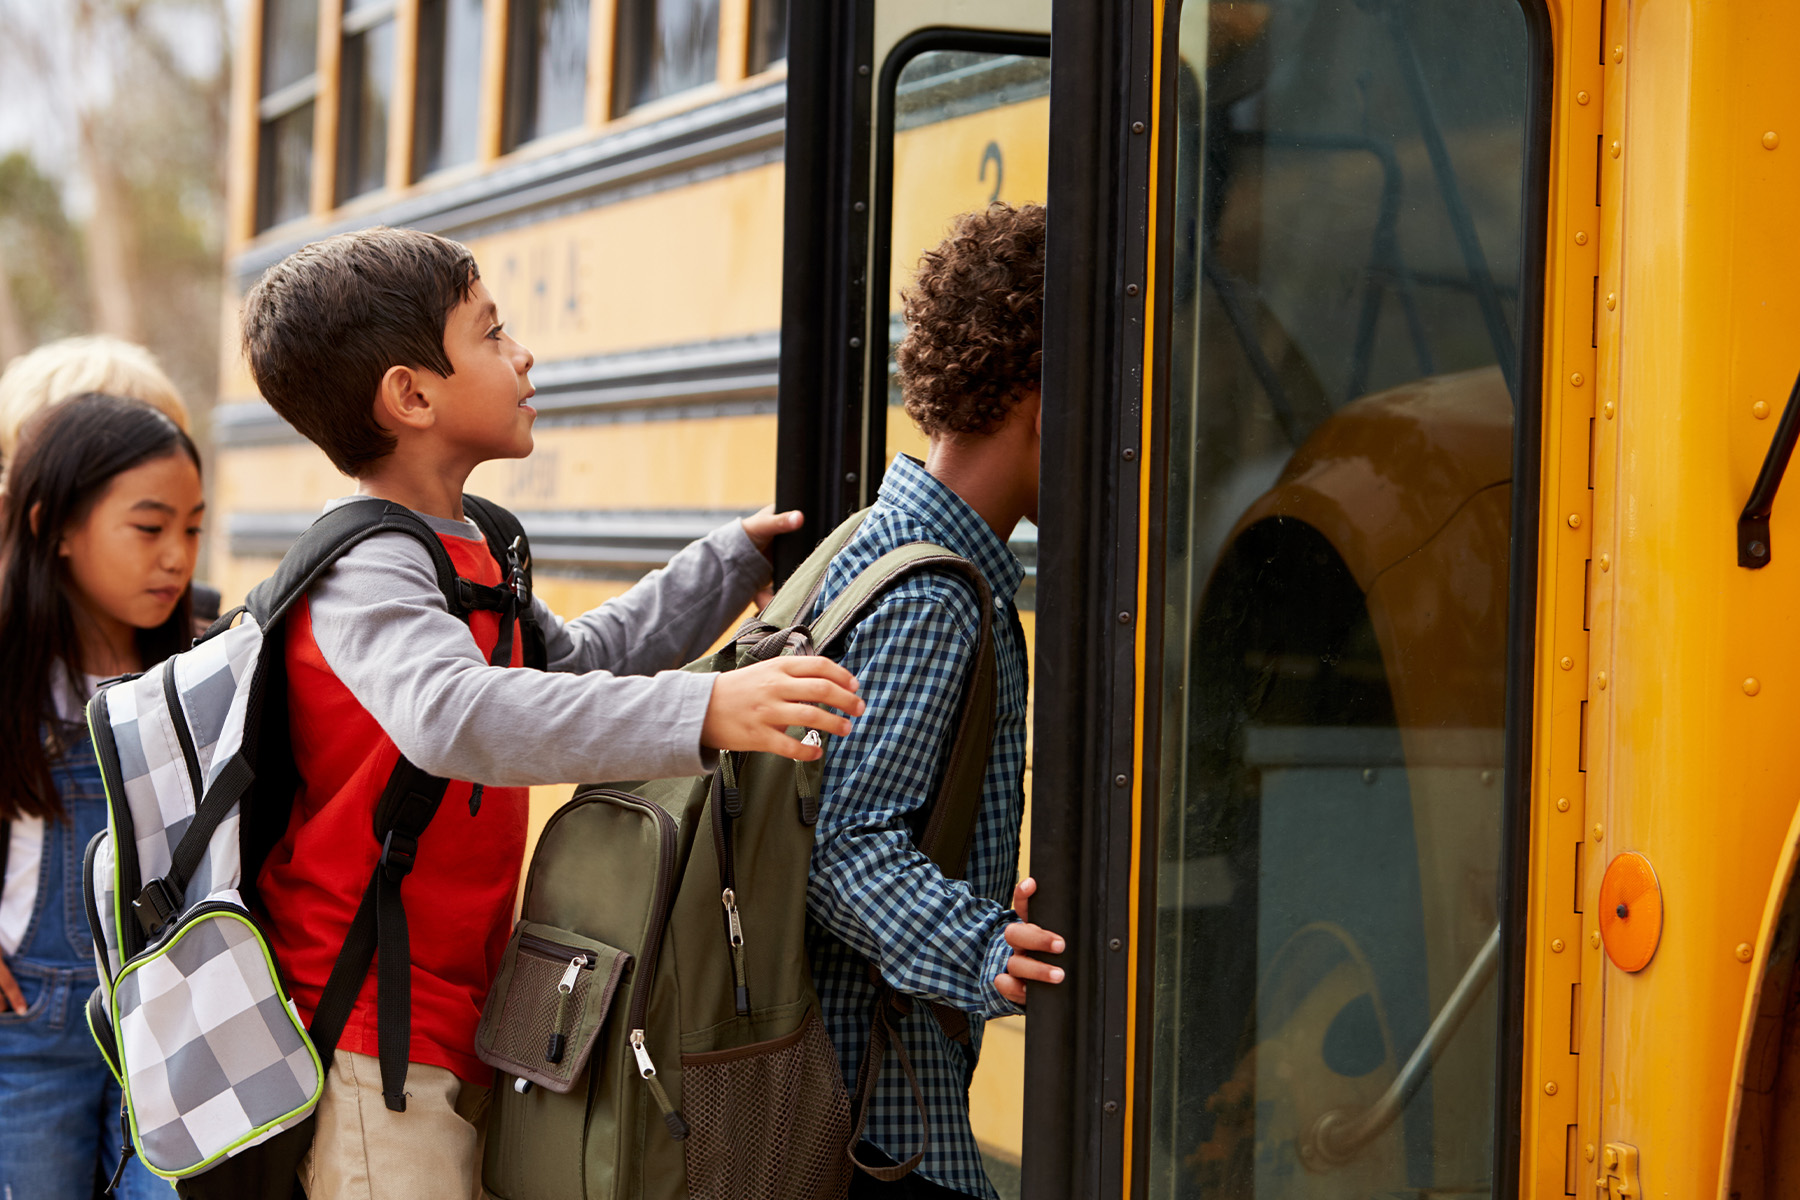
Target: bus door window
x=768, y=34
x=366, y=92
x=665, y=46
x=546, y=68
x=1345, y=289
x=290, y=84
x=447, y=112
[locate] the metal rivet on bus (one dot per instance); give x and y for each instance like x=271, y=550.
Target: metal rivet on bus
x=1600, y=679
x=1744, y=952
x=1771, y=140
x=1594, y=939
x=1487, y=777
x=1120, y=781
x=1577, y=379
x=1757, y=549
x=1605, y=562
x=1562, y=804
x=1574, y=520
x=1115, y=944
x=1550, y=1087
x=1606, y=410
x=1566, y=663
x=1612, y=301
x=1752, y=686
x=1131, y=289
x=1587, y=1152
x=856, y=343
x=1556, y=946
x=1368, y=774
x=1137, y=127
x=863, y=69
x=1111, y=1106
x=1618, y=54
x=1581, y=97
x=1124, y=618
x=1760, y=410
x=1616, y=148
x=1128, y=454
x=1599, y=833
x=859, y=206
x=849, y=476
x=1580, y=238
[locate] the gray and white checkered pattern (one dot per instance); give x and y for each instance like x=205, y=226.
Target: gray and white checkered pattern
x=215, y=1056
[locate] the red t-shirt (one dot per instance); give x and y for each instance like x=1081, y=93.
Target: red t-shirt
x=459, y=896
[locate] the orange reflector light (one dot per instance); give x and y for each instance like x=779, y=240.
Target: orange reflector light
x=1630, y=912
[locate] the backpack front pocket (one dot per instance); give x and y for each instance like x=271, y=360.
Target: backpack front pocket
x=548, y=1004
x=213, y=1054
x=769, y=1120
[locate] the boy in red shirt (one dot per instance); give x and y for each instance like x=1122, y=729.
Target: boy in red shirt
x=384, y=348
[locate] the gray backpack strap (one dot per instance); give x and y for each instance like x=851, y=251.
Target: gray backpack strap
x=949, y=823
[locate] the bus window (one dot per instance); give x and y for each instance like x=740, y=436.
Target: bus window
x=365, y=93
x=546, y=68
x=290, y=37
x=665, y=46
x=446, y=114
x=768, y=34
x=1345, y=289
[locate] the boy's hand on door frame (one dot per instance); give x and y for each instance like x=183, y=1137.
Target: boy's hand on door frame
x=1027, y=940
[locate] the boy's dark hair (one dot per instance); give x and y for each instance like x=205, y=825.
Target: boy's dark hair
x=323, y=325
x=974, y=318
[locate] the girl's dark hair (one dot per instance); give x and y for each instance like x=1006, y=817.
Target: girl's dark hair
x=68, y=455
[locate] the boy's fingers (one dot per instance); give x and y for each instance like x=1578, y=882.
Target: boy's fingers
x=816, y=666
x=823, y=691
x=1023, y=966
x=1023, y=891
x=812, y=718
x=1010, y=989
x=1022, y=935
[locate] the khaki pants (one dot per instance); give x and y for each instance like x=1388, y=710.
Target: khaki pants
x=363, y=1151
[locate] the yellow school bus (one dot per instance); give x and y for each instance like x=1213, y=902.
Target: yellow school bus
x=1412, y=766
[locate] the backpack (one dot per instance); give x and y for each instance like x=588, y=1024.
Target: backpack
x=654, y=1017
x=220, y=1078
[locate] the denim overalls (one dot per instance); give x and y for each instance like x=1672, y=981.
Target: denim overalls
x=59, y=1105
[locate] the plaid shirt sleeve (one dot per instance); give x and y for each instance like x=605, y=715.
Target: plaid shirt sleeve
x=929, y=936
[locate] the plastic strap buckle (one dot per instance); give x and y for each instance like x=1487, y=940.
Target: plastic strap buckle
x=155, y=905
x=398, y=851
x=516, y=563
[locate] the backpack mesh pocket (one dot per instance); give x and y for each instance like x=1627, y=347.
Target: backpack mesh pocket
x=769, y=1121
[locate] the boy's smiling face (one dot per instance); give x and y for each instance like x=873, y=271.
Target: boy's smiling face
x=482, y=407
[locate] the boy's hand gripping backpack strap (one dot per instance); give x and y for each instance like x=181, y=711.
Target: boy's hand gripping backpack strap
x=950, y=820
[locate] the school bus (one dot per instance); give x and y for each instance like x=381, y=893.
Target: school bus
x=1412, y=765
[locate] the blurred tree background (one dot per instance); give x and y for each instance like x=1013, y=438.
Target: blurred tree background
x=113, y=118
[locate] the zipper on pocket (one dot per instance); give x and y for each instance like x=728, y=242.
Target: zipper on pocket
x=578, y=960
x=668, y=844
x=723, y=801
x=184, y=735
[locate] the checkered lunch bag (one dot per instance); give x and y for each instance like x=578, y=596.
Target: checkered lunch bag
x=220, y=1075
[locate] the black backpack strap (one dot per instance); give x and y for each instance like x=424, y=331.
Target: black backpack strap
x=511, y=549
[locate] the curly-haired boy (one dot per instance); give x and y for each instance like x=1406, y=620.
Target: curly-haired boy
x=969, y=368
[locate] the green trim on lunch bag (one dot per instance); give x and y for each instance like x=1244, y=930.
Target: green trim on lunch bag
x=235, y=914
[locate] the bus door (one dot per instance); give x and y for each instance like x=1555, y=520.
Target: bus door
x=1284, y=634
x=901, y=114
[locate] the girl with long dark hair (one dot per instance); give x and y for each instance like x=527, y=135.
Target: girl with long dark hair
x=99, y=529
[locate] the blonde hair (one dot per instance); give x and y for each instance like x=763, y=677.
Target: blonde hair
x=68, y=367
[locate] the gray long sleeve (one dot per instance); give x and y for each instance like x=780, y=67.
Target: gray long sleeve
x=383, y=628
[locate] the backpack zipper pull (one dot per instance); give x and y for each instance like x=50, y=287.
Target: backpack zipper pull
x=678, y=1128
x=737, y=952
x=565, y=988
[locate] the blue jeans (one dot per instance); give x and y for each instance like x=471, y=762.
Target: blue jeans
x=59, y=1105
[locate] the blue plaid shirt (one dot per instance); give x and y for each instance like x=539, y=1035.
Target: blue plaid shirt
x=873, y=897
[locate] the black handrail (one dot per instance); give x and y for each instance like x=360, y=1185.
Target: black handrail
x=1754, y=550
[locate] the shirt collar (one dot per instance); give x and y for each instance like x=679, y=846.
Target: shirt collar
x=949, y=520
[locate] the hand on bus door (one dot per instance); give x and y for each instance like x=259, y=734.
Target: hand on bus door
x=763, y=527
x=753, y=707
x=1027, y=939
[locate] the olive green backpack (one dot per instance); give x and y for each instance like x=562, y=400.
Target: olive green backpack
x=654, y=1022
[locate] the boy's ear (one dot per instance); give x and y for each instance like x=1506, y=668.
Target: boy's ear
x=400, y=403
